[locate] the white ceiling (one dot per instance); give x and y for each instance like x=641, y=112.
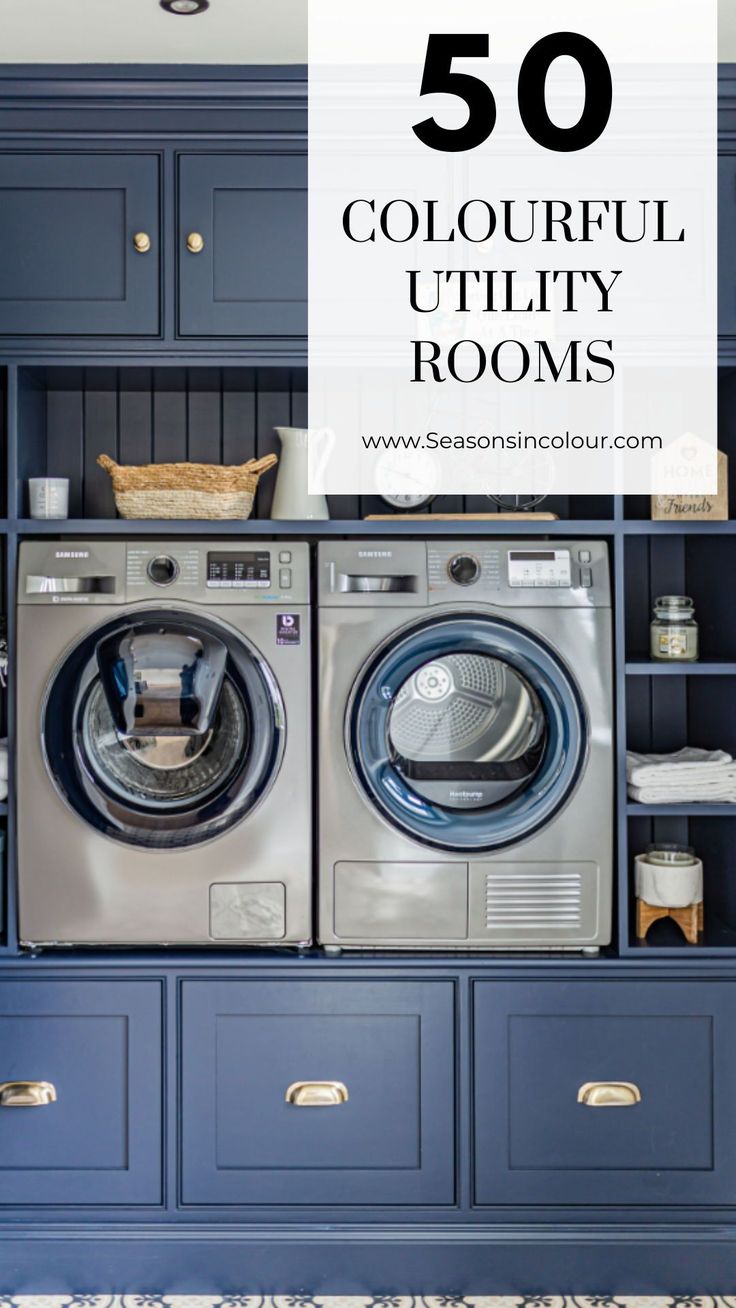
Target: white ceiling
x=139, y=31
x=230, y=32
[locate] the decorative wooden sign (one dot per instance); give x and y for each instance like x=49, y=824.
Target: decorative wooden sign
x=695, y=508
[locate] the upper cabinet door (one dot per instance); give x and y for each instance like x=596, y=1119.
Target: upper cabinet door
x=726, y=245
x=243, y=245
x=70, y=263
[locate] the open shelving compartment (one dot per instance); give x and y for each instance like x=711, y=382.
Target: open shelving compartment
x=67, y=415
x=669, y=705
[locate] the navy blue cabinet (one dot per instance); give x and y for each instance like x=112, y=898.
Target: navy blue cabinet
x=537, y=1045
x=98, y=1043
x=390, y=1044
x=726, y=245
x=243, y=245
x=69, y=264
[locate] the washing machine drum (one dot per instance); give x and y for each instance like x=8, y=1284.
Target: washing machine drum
x=163, y=728
x=468, y=734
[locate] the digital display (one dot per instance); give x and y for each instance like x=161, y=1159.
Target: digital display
x=534, y=556
x=237, y=570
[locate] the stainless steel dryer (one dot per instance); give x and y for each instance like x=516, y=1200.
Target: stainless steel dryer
x=164, y=743
x=466, y=759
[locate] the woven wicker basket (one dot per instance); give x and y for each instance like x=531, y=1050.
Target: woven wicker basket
x=185, y=490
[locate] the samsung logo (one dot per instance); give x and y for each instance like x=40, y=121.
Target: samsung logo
x=375, y=554
x=71, y=554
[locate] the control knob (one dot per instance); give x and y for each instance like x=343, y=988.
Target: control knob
x=464, y=569
x=163, y=570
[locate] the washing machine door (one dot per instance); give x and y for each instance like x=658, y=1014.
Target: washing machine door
x=467, y=733
x=163, y=728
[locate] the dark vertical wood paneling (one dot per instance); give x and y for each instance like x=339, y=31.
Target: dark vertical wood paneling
x=712, y=712
x=238, y=415
x=667, y=566
x=559, y=504
x=709, y=585
x=638, y=715
x=273, y=410
x=637, y=602
x=712, y=840
x=169, y=415
x=100, y=437
x=30, y=436
x=478, y=504
x=65, y=434
x=204, y=415
x=669, y=714
x=447, y=504
x=136, y=415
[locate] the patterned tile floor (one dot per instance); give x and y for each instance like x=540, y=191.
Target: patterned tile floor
x=364, y=1301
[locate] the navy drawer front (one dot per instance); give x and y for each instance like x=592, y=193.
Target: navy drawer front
x=537, y=1044
x=250, y=278
x=99, y=1044
x=391, y=1045
x=68, y=265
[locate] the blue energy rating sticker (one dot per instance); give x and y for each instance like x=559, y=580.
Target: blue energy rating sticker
x=288, y=629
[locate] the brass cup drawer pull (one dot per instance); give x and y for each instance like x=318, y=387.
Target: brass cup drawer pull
x=609, y=1094
x=195, y=242
x=142, y=242
x=26, y=1094
x=316, y=1094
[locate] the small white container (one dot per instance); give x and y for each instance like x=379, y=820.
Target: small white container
x=668, y=881
x=49, y=497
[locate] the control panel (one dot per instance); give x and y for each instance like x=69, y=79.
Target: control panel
x=214, y=572
x=532, y=568
x=502, y=573
x=220, y=572
x=515, y=574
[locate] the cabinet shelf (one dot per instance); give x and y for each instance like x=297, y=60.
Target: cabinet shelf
x=704, y=668
x=680, y=810
x=644, y=527
x=272, y=527
x=718, y=938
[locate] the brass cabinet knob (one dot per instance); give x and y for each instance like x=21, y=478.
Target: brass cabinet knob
x=195, y=242
x=26, y=1094
x=316, y=1094
x=142, y=242
x=609, y=1094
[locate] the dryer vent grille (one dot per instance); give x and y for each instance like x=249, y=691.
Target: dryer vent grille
x=527, y=898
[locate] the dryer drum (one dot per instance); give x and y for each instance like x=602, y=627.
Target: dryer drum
x=467, y=717
x=135, y=768
x=467, y=733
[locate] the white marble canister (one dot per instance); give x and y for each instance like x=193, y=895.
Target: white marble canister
x=668, y=885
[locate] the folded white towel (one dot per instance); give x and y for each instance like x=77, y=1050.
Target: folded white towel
x=4, y=762
x=687, y=776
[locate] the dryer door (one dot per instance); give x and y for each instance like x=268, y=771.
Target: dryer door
x=163, y=728
x=468, y=733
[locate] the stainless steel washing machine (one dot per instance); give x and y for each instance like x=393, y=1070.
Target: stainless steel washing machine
x=465, y=744
x=164, y=743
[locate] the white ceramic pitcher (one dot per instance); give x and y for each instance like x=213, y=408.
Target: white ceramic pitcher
x=291, y=498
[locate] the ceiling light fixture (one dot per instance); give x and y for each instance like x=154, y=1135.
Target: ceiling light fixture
x=184, y=7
